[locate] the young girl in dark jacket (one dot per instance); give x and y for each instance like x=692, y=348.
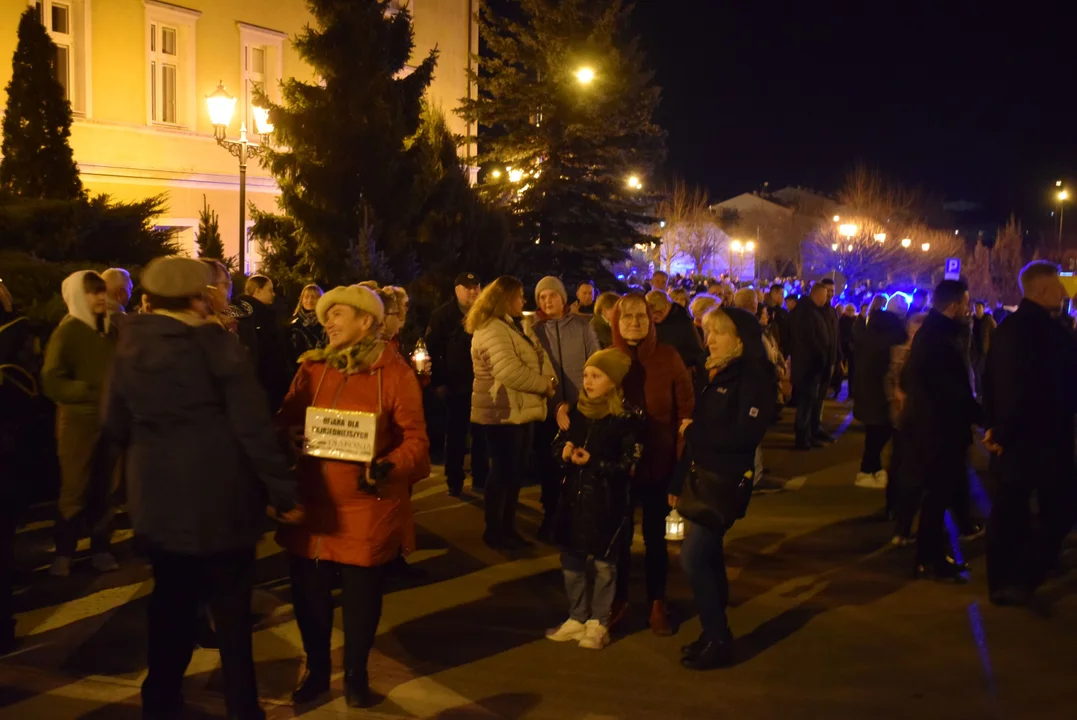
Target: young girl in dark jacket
x=728, y=424
x=591, y=518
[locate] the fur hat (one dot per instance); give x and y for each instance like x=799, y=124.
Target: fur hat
x=176, y=277
x=551, y=283
x=356, y=296
x=613, y=362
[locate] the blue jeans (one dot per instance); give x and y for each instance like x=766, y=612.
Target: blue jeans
x=574, y=568
x=704, y=563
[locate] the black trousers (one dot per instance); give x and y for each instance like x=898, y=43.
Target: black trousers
x=875, y=439
x=457, y=425
x=652, y=500
x=545, y=465
x=181, y=584
x=510, y=453
x=945, y=481
x=361, y=601
x=810, y=395
x=1022, y=547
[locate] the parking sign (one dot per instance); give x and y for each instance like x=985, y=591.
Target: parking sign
x=953, y=268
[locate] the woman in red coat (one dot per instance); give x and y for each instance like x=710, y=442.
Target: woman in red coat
x=359, y=515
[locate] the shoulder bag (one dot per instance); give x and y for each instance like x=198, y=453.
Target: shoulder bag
x=712, y=500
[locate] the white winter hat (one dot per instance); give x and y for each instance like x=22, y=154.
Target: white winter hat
x=356, y=296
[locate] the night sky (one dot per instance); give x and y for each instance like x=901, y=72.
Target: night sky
x=965, y=104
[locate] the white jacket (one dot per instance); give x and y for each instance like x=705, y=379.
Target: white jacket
x=511, y=376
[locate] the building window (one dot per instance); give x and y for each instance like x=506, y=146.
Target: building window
x=67, y=23
x=261, y=58
x=170, y=77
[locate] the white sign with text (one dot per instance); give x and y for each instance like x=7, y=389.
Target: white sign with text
x=340, y=434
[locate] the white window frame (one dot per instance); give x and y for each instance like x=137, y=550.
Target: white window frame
x=188, y=242
x=183, y=21
x=77, y=40
x=272, y=42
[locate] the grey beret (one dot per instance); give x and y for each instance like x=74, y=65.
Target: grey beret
x=176, y=277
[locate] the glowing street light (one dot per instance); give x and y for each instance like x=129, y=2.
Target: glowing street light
x=634, y=183
x=850, y=248
x=837, y=218
x=925, y=247
x=585, y=75
x=495, y=174
x=834, y=247
x=749, y=246
x=880, y=237
x=1063, y=195
x=907, y=242
x=515, y=175
x=848, y=229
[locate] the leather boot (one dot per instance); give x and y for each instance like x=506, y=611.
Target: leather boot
x=660, y=619
x=314, y=685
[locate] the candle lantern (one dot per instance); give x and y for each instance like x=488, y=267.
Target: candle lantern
x=674, y=526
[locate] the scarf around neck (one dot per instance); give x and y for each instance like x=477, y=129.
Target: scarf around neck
x=350, y=360
x=307, y=318
x=597, y=408
x=716, y=365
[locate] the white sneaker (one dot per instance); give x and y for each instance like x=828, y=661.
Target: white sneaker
x=61, y=566
x=568, y=630
x=866, y=480
x=595, y=636
x=882, y=479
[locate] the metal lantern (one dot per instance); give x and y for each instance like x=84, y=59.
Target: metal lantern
x=420, y=358
x=674, y=526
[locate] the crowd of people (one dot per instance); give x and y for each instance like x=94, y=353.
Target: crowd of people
x=648, y=401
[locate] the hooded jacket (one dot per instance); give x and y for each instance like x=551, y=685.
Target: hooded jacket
x=873, y=350
x=660, y=385
x=734, y=410
x=568, y=342
x=201, y=450
x=78, y=354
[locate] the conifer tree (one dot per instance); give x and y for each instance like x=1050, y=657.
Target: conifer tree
x=340, y=150
x=569, y=104
x=37, y=159
x=209, y=240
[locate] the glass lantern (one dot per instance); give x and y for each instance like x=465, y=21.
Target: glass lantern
x=674, y=526
x=420, y=358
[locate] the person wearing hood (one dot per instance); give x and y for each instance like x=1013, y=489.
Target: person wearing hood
x=358, y=514
x=305, y=332
x=882, y=332
x=675, y=328
x=260, y=334
x=568, y=341
x=712, y=485
x=119, y=288
x=660, y=385
x=77, y=360
x=600, y=321
x=181, y=382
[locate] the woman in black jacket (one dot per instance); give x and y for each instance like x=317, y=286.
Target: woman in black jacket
x=715, y=475
x=305, y=332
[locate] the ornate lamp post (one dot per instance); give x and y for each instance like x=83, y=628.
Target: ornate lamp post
x=221, y=105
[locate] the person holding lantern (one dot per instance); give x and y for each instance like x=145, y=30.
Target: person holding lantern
x=598, y=453
x=359, y=516
x=713, y=481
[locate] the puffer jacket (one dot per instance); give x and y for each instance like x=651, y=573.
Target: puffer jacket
x=593, y=504
x=511, y=375
x=345, y=524
x=568, y=342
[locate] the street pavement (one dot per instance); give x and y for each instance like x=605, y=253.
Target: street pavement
x=830, y=624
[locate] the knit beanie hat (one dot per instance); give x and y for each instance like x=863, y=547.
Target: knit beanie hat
x=357, y=296
x=613, y=362
x=551, y=283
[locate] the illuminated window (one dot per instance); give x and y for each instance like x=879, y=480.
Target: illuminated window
x=261, y=55
x=65, y=22
x=170, y=90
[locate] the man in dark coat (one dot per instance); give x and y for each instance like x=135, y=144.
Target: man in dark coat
x=676, y=328
x=939, y=413
x=1030, y=397
x=260, y=332
x=203, y=463
x=779, y=318
x=452, y=374
x=814, y=353
x=881, y=331
x=983, y=326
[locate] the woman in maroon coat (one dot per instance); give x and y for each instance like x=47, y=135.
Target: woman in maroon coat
x=661, y=386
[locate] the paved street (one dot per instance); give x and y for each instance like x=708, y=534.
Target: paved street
x=829, y=625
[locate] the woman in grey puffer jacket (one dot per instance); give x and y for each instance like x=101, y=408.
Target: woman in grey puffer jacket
x=568, y=340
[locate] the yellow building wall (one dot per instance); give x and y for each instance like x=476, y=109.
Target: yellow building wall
x=121, y=154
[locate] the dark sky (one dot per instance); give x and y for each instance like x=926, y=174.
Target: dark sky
x=944, y=95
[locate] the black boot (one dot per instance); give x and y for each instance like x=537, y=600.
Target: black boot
x=357, y=690
x=314, y=685
x=712, y=654
x=693, y=648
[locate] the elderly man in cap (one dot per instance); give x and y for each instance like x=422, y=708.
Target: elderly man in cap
x=202, y=463
x=452, y=374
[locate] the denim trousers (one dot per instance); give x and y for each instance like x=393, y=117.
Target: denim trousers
x=599, y=599
x=703, y=560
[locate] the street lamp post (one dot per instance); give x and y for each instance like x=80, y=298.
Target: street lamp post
x=1063, y=195
x=221, y=105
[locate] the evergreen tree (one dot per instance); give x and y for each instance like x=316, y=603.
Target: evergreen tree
x=341, y=152
x=1007, y=256
x=209, y=240
x=568, y=101
x=37, y=159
